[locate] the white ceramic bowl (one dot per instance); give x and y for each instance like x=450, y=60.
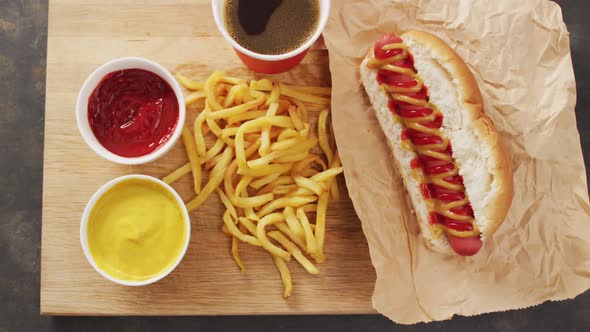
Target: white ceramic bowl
x=84, y=229
x=94, y=79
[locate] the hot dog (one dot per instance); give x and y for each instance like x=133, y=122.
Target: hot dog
x=454, y=166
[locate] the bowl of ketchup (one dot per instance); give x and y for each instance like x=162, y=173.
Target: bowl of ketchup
x=130, y=111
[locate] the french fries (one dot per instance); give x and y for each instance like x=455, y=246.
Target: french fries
x=233, y=229
x=285, y=275
x=320, y=226
x=294, y=250
x=309, y=236
x=236, y=254
x=193, y=157
x=261, y=234
x=292, y=221
x=269, y=165
x=178, y=173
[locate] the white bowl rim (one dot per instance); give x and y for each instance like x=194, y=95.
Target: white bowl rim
x=94, y=79
x=323, y=20
x=84, y=227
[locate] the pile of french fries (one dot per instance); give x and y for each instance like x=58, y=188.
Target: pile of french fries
x=270, y=168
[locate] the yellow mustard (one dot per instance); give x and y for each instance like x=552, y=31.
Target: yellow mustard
x=136, y=230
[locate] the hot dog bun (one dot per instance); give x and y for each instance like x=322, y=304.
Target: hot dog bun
x=483, y=161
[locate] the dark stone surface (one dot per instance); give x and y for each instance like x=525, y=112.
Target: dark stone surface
x=23, y=39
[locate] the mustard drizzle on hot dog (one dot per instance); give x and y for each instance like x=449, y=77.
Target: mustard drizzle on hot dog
x=432, y=150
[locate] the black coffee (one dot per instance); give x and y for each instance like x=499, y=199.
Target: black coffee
x=271, y=26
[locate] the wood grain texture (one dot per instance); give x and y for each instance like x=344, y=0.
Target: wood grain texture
x=182, y=36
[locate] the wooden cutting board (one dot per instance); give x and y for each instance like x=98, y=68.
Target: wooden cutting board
x=181, y=35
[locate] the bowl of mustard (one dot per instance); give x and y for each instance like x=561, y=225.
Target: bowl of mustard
x=135, y=230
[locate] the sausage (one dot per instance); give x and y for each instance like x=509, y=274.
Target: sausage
x=465, y=246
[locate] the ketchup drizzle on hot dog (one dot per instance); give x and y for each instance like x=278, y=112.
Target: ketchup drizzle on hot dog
x=434, y=165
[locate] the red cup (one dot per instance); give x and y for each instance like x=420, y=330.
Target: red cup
x=270, y=63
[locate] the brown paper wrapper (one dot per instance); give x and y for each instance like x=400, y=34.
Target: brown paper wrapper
x=519, y=53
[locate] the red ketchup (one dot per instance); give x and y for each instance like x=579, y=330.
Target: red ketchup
x=430, y=165
x=132, y=112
